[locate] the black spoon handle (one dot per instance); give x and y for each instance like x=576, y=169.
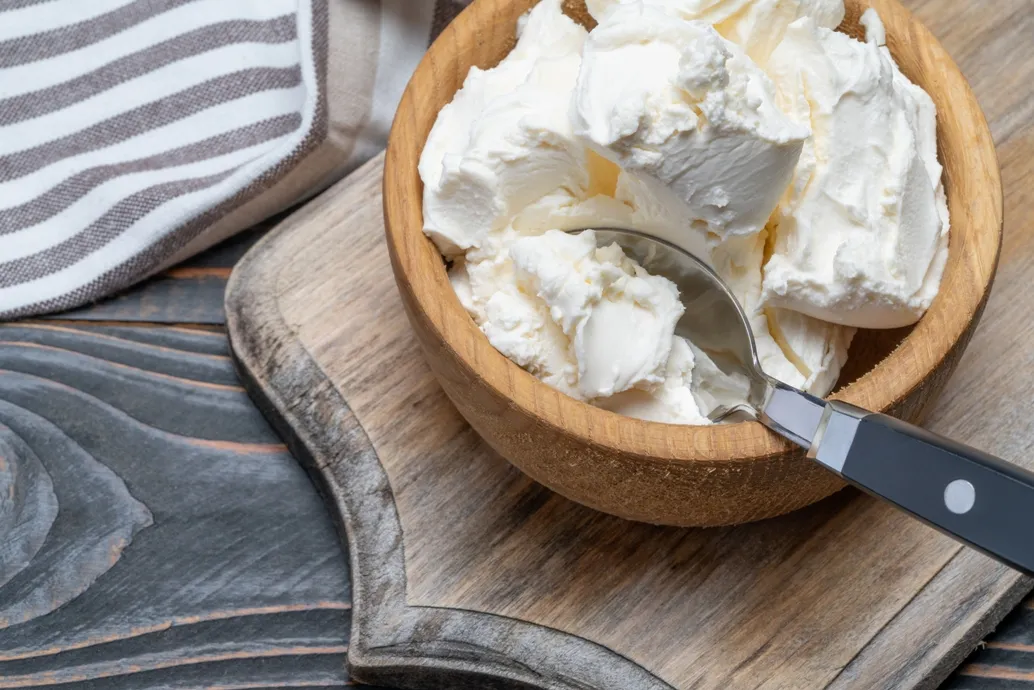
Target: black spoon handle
x=975, y=497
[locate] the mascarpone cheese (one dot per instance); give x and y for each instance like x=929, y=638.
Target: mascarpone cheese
x=755, y=25
x=620, y=320
x=861, y=236
x=505, y=140
x=674, y=400
x=678, y=104
x=799, y=163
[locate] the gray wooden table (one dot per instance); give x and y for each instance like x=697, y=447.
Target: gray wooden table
x=157, y=534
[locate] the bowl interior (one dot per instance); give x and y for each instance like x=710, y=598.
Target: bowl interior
x=884, y=366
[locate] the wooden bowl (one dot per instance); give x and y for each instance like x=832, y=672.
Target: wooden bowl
x=661, y=473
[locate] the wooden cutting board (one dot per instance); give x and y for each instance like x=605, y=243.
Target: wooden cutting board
x=467, y=574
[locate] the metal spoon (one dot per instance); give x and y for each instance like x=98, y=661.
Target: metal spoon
x=974, y=497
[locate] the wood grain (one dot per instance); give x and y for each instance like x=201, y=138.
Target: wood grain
x=676, y=474
x=156, y=532
x=467, y=569
x=188, y=651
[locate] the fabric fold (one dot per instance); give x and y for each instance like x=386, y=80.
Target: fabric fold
x=135, y=133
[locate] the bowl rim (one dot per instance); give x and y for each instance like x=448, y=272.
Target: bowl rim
x=919, y=355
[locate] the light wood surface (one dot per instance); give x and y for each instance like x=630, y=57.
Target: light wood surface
x=661, y=473
x=465, y=570
x=469, y=575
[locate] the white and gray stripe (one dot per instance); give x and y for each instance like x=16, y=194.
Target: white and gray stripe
x=73, y=189
x=131, y=129
x=36, y=103
x=123, y=123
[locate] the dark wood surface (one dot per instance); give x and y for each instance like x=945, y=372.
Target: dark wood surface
x=159, y=534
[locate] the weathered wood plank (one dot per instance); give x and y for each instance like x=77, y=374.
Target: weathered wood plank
x=163, y=299
x=167, y=538
x=149, y=356
x=145, y=388
x=302, y=633
x=210, y=340
x=284, y=672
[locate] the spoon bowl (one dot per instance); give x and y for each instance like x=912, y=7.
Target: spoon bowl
x=714, y=320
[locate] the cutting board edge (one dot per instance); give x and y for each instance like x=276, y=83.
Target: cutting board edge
x=387, y=645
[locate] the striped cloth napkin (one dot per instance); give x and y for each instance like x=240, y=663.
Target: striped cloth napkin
x=135, y=133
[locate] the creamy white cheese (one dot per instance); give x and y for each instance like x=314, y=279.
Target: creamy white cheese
x=658, y=122
x=861, y=236
x=620, y=320
x=799, y=350
x=505, y=140
x=672, y=100
x=755, y=25
x=517, y=324
x=674, y=400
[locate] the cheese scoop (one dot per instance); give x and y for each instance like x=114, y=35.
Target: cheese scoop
x=969, y=495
